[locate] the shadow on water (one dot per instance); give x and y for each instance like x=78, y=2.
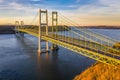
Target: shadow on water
x=47, y=67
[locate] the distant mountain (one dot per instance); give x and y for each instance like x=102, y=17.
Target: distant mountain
x=101, y=27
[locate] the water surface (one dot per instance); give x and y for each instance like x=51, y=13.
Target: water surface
x=19, y=59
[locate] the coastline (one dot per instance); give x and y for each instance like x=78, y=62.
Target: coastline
x=8, y=29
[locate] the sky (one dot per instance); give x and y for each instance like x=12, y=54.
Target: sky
x=83, y=12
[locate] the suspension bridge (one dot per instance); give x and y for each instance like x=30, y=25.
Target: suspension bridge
x=61, y=31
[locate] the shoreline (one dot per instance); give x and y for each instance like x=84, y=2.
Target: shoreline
x=8, y=29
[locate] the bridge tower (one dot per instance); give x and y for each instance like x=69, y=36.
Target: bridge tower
x=16, y=27
x=41, y=25
x=54, y=28
x=22, y=27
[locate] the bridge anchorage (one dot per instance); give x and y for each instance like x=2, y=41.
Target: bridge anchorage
x=80, y=40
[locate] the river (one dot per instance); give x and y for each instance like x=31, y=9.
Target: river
x=19, y=59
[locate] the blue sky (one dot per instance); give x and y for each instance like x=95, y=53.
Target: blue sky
x=85, y=12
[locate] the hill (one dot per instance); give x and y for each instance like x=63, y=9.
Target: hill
x=100, y=71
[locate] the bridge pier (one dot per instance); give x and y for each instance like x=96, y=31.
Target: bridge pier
x=53, y=48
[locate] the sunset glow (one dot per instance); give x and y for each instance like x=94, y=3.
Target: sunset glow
x=84, y=12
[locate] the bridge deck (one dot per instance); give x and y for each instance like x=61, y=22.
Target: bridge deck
x=96, y=51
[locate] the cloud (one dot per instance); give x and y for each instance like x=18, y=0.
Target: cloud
x=84, y=11
x=101, y=7
x=102, y=12
x=14, y=9
x=112, y=3
x=78, y=1
x=15, y=5
x=36, y=0
x=1, y=1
